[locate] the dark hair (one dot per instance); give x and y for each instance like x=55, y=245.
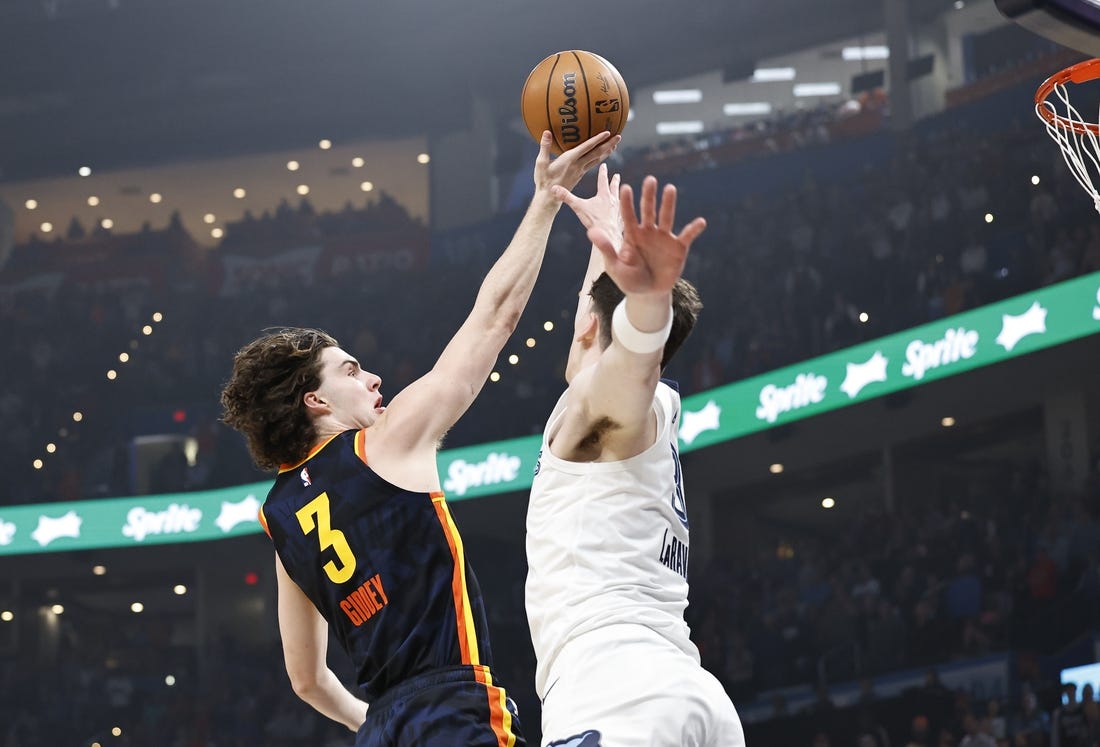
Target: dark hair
x=686, y=305
x=263, y=398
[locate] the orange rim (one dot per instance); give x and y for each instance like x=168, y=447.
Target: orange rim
x=1079, y=73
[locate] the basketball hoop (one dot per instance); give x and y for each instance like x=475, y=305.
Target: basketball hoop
x=1078, y=139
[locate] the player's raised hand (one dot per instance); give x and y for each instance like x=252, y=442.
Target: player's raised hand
x=568, y=168
x=651, y=256
x=601, y=209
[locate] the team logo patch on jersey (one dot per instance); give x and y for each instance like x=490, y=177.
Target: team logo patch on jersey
x=304, y=474
x=589, y=738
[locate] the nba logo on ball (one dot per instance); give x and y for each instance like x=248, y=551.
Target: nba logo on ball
x=574, y=94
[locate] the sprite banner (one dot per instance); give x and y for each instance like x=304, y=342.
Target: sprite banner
x=981, y=337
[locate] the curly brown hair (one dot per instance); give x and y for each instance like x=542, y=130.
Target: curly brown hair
x=263, y=398
x=686, y=306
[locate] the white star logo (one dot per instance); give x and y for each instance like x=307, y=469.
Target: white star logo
x=233, y=514
x=1015, y=328
x=7, y=532
x=860, y=375
x=695, y=423
x=50, y=529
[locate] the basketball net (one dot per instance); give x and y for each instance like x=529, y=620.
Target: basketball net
x=1078, y=139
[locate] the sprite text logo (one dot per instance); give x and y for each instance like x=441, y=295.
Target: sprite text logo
x=497, y=468
x=807, y=389
x=956, y=345
x=175, y=519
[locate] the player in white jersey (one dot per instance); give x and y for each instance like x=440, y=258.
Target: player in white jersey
x=607, y=526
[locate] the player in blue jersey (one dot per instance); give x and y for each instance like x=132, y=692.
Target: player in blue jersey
x=365, y=543
x=607, y=524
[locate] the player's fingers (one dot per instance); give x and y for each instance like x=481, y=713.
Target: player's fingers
x=692, y=230
x=601, y=179
x=545, y=142
x=615, y=183
x=591, y=144
x=561, y=193
x=667, y=214
x=602, y=241
x=626, y=206
x=649, y=201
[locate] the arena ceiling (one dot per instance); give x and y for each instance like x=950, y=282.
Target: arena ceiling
x=127, y=82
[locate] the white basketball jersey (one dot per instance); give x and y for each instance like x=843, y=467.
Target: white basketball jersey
x=607, y=542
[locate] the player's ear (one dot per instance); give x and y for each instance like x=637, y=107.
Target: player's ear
x=313, y=401
x=589, y=330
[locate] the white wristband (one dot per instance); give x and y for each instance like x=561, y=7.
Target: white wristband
x=634, y=339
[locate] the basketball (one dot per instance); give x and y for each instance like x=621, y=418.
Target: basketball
x=574, y=94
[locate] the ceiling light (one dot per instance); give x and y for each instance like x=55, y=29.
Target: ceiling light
x=325, y=144
x=107, y=223
x=292, y=165
x=46, y=227
x=947, y=422
x=31, y=204
x=37, y=463
x=155, y=198
x=84, y=171
x=93, y=201
x=217, y=233
x=494, y=376
x=239, y=193
x=827, y=502
x=157, y=316
x=112, y=375
x=57, y=609
x=875, y=52
x=679, y=128
x=209, y=218
x=358, y=162
x=548, y=326
x=768, y=74
x=423, y=158
x=746, y=108
x=99, y=570
x=366, y=186
x=776, y=468
x=7, y=616
x=51, y=448
x=179, y=590
x=817, y=89
x=78, y=416
x=303, y=189
x=513, y=359
x=678, y=96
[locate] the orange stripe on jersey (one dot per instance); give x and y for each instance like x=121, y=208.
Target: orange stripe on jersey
x=500, y=718
x=361, y=445
x=312, y=452
x=467, y=633
x=263, y=522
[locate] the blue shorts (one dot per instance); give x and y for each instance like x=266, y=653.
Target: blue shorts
x=444, y=708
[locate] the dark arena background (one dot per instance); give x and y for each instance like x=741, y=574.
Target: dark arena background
x=891, y=428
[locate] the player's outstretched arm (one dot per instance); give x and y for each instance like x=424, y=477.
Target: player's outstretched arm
x=645, y=265
x=601, y=210
x=305, y=645
x=438, y=399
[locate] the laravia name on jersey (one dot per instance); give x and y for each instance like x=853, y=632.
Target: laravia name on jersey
x=674, y=554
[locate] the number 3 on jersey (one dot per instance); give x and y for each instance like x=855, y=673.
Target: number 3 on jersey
x=328, y=537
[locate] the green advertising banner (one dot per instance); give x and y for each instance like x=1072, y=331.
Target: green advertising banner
x=982, y=337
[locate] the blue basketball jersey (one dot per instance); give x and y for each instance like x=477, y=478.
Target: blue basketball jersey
x=386, y=568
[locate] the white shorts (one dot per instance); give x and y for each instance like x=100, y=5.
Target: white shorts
x=626, y=686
